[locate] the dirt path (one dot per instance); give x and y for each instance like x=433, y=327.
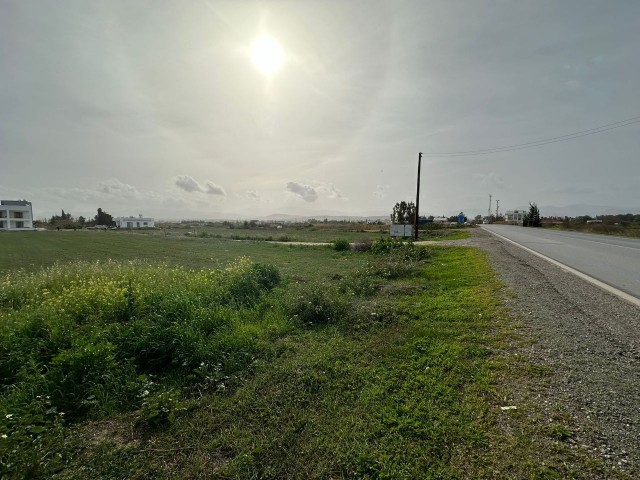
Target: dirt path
x=589, y=338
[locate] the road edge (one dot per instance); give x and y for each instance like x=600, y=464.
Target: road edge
x=605, y=286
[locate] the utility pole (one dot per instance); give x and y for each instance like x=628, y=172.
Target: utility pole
x=490, y=205
x=497, y=205
x=415, y=222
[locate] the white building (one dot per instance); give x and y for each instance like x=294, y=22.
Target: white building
x=514, y=217
x=16, y=215
x=135, y=222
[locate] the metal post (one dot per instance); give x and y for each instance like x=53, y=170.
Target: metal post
x=415, y=223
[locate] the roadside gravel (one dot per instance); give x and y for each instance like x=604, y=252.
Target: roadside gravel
x=589, y=339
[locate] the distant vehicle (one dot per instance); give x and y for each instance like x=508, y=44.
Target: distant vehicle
x=485, y=222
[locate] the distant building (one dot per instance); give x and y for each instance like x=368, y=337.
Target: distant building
x=16, y=215
x=514, y=217
x=135, y=222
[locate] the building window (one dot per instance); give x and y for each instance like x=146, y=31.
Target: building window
x=145, y=224
x=129, y=224
x=3, y=214
x=17, y=215
x=19, y=224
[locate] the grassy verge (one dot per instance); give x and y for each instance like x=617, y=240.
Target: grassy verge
x=378, y=366
x=621, y=230
x=442, y=234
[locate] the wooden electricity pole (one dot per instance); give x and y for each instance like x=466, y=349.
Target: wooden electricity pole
x=415, y=223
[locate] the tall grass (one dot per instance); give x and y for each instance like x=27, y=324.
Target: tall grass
x=88, y=340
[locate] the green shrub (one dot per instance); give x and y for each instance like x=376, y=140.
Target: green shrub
x=159, y=409
x=407, y=250
x=340, y=245
x=83, y=334
x=382, y=245
x=87, y=379
x=315, y=303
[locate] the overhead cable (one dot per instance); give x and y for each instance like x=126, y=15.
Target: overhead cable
x=537, y=143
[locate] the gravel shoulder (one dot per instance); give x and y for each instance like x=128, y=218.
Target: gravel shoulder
x=588, y=339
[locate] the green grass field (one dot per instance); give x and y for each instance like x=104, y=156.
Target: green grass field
x=32, y=250
x=137, y=356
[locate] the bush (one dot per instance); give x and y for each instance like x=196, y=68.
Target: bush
x=382, y=246
x=159, y=409
x=402, y=250
x=83, y=333
x=87, y=379
x=340, y=245
x=364, y=246
x=315, y=304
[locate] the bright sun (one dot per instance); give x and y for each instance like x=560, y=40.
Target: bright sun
x=266, y=55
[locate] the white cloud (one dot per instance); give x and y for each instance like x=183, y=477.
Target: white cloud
x=187, y=183
x=213, y=189
x=331, y=190
x=190, y=184
x=252, y=194
x=118, y=188
x=306, y=192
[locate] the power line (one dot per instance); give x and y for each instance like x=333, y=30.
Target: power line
x=537, y=143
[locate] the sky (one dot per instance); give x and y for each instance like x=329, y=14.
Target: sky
x=158, y=107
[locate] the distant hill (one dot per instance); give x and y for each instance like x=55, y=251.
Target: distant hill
x=285, y=217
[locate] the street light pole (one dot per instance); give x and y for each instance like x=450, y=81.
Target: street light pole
x=415, y=223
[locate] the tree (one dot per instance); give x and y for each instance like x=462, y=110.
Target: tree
x=64, y=220
x=103, y=218
x=532, y=217
x=403, y=212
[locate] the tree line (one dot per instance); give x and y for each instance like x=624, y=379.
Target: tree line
x=67, y=221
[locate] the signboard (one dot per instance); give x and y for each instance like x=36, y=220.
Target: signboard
x=398, y=230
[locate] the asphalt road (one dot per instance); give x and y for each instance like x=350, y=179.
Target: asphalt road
x=612, y=260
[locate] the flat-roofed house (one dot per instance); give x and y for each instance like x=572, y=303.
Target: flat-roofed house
x=135, y=222
x=514, y=217
x=16, y=215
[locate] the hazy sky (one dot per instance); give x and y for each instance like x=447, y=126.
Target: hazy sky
x=157, y=108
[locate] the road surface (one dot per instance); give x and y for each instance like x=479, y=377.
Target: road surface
x=612, y=260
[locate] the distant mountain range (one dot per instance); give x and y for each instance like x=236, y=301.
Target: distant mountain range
x=285, y=217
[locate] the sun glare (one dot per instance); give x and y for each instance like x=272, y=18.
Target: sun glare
x=266, y=55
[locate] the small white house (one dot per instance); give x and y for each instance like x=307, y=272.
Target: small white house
x=514, y=217
x=135, y=222
x=16, y=215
